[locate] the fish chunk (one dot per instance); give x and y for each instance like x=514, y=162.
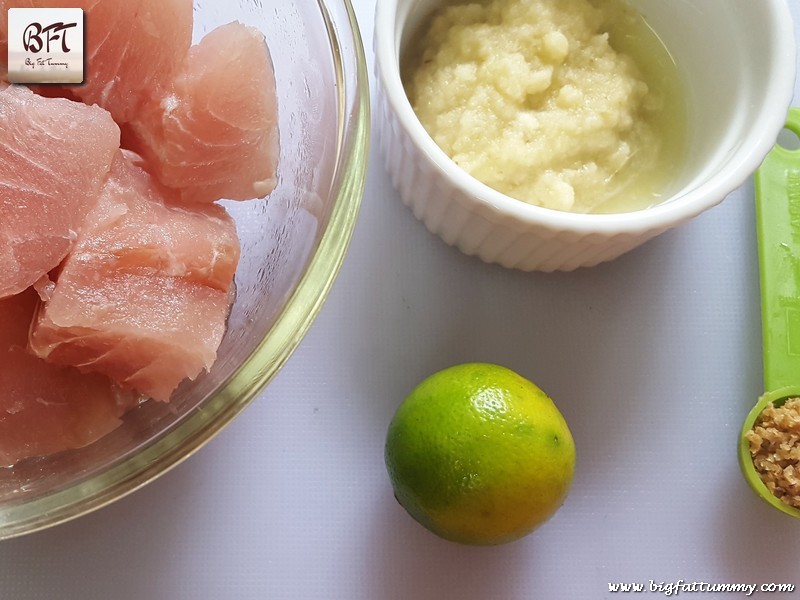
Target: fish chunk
x=132, y=47
x=46, y=408
x=213, y=133
x=54, y=157
x=144, y=296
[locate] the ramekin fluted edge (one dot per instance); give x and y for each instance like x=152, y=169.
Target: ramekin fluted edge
x=484, y=223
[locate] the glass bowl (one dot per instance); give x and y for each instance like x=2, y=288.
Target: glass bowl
x=292, y=248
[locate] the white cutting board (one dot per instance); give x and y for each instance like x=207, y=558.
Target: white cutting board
x=654, y=359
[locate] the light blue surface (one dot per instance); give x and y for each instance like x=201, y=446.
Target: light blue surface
x=654, y=360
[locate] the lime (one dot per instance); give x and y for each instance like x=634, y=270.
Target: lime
x=479, y=455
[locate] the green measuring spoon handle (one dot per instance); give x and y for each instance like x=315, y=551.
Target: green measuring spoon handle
x=777, y=188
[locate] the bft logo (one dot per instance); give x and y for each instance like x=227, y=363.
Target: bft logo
x=33, y=40
x=45, y=45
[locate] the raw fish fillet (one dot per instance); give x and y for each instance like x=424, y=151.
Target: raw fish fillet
x=54, y=156
x=144, y=295
x=47, y=408
x=49, y=90
x=135, y=225
x=132, y=47
x=214, y=133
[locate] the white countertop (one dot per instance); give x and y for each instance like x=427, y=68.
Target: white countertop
x=654, y=360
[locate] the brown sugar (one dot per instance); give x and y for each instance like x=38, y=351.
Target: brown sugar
x=775, y=449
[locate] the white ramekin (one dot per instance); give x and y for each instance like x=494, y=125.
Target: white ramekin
x=738, y=61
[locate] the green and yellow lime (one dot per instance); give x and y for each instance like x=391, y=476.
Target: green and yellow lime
x=479, y=454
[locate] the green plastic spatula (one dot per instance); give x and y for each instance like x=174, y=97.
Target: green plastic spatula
x=777, y=186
